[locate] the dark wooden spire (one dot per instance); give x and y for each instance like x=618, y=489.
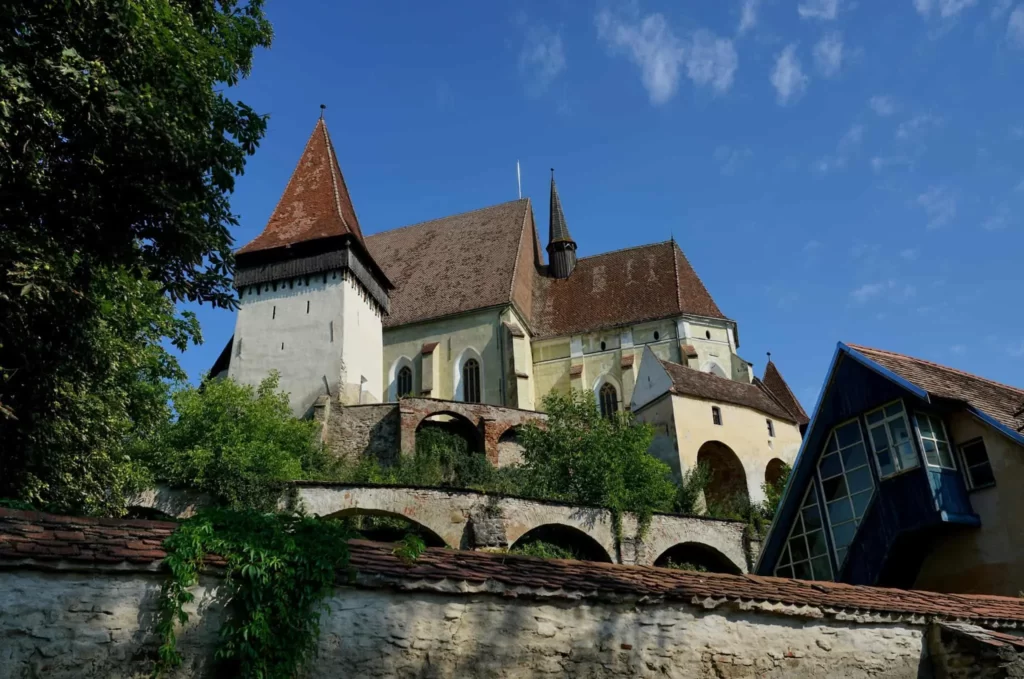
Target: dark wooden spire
x=561, y=246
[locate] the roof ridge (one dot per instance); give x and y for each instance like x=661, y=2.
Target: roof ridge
x=699, y=280
x=626, y=249
x=332, y=161
x=446, y=217
x=859, y=347
x=759, y=383
x=675, y=268
x=515, y=263
x=785, y=384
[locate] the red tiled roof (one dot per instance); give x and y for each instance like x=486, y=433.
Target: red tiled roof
x=454, y=264
x=775, y=384
x=1000, y=401
x=690, y=382
x=315, y=203
x=619, y=288
x=48, y=541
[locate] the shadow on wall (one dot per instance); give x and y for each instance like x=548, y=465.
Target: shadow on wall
x=458, y=425
x=694, y=556
x=728, y=481
x=559, y=541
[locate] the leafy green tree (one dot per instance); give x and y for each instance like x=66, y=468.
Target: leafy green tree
x=118, y=149
x=773, y=491
x=581, y=457
x=235, y=442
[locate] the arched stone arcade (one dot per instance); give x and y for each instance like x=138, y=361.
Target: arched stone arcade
x=575, y=541
x=728, y=484
x=696, y=556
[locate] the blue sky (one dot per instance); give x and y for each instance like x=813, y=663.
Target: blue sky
x=834, y=170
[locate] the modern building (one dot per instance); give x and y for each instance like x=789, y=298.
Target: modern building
x=907, y=477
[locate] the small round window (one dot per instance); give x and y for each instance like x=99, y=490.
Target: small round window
x=657, y=335
x=707, y=333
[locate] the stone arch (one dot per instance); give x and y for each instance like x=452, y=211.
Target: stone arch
x=713, y=368
x=510, y=448
x=584, y=547
x=454, y=423
x=727, y=487
x=400, y=362
x=702, y=556
x=774, y=471
x=389, y=526
x=458, y=390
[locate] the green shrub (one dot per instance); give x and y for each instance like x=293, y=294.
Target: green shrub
x=544, y=550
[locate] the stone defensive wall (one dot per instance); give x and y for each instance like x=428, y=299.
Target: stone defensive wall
x=79, y=598
x=465, y=519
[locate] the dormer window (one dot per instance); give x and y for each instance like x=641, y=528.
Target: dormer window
x=890, y=439
x=934, y=441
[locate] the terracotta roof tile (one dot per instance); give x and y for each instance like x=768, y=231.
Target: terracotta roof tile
x=1000, y=401
x=690, y=382
x=451, y=265
x=783, y=394
x=620, y=288
x=315, y=203
x=30, y=538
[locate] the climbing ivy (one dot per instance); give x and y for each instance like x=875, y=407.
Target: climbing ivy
x=279, y=569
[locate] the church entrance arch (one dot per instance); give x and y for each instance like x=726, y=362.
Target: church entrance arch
x=727, y=489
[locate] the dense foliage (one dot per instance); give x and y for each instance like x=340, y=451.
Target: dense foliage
x=279, y=569
x=581, y=457
x=237, y=443
x=118, y=149
x=544, y=550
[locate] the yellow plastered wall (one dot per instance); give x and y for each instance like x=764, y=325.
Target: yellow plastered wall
x=988, y=559
x=477, y=331
x=523, y=362
x=743, y=429
x=716, y=349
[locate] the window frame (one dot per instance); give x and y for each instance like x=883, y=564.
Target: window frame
x=811, y=494
x=468, y=385
x=404, y=368
x=771, y=427
x=897, y=461
x=849, y=495
x=968, y=480
x=716, y=416
x=945, y=434
x=601, y=392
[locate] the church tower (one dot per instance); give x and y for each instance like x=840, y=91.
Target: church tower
x=561, y=246
x=311, y=296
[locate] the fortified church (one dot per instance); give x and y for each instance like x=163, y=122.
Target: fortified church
x=476, y=309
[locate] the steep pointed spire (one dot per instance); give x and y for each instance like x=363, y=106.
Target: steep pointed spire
x=561, y=246
x=783, y=394
x=315, y=203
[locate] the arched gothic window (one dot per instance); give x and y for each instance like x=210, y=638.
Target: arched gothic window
x=471, y=381
x=609, y=400
x=404, y=382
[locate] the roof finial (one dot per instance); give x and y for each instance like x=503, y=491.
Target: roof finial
x=552, y=174
x=323, y=107
x=769, y=357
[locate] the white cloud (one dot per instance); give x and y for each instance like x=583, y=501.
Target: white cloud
x=958, y=349
x=916, y=125
x=867, y=291
x=1015, y=28
x=826, y=10
x=1017, y=132
x=945, y=9
x=828, y=54
x=1000, y=8
x=848, y=144
x=939, y=205
x=788, y=76
x=997, y=222
x=748, y=16
x=894, y=291
x=1019, y=188
x=542, y=59
x=811, y=246
x=884, y=106
x=731, y=159
x=909, y=254
x=879, y=163
x=652, y=45
x=1016, y=350
x=711, y=61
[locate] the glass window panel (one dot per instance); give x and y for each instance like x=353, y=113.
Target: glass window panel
x=885, y=464
x=854, y=456
x=930, y=452
x=831, y=447
x=839, y=511
x=843, y=534
x=981, y=475
x=798, y=549
x=925, y=425
x=848, y=434
x=841, y=555
x=816, y=543
x=898, y=430
x=821, y=568
x=784, y=559
x=802, y=571
x=830, y=466
x=798, y=526
x=946, y=456
x=975, y=453
x=875, y=417
x=860, y=503
x=784, y=572
x=812, y=519
x=893, y=409
x=834, y=489
x=859, y=479
x=908, y=458
x=879, y=439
